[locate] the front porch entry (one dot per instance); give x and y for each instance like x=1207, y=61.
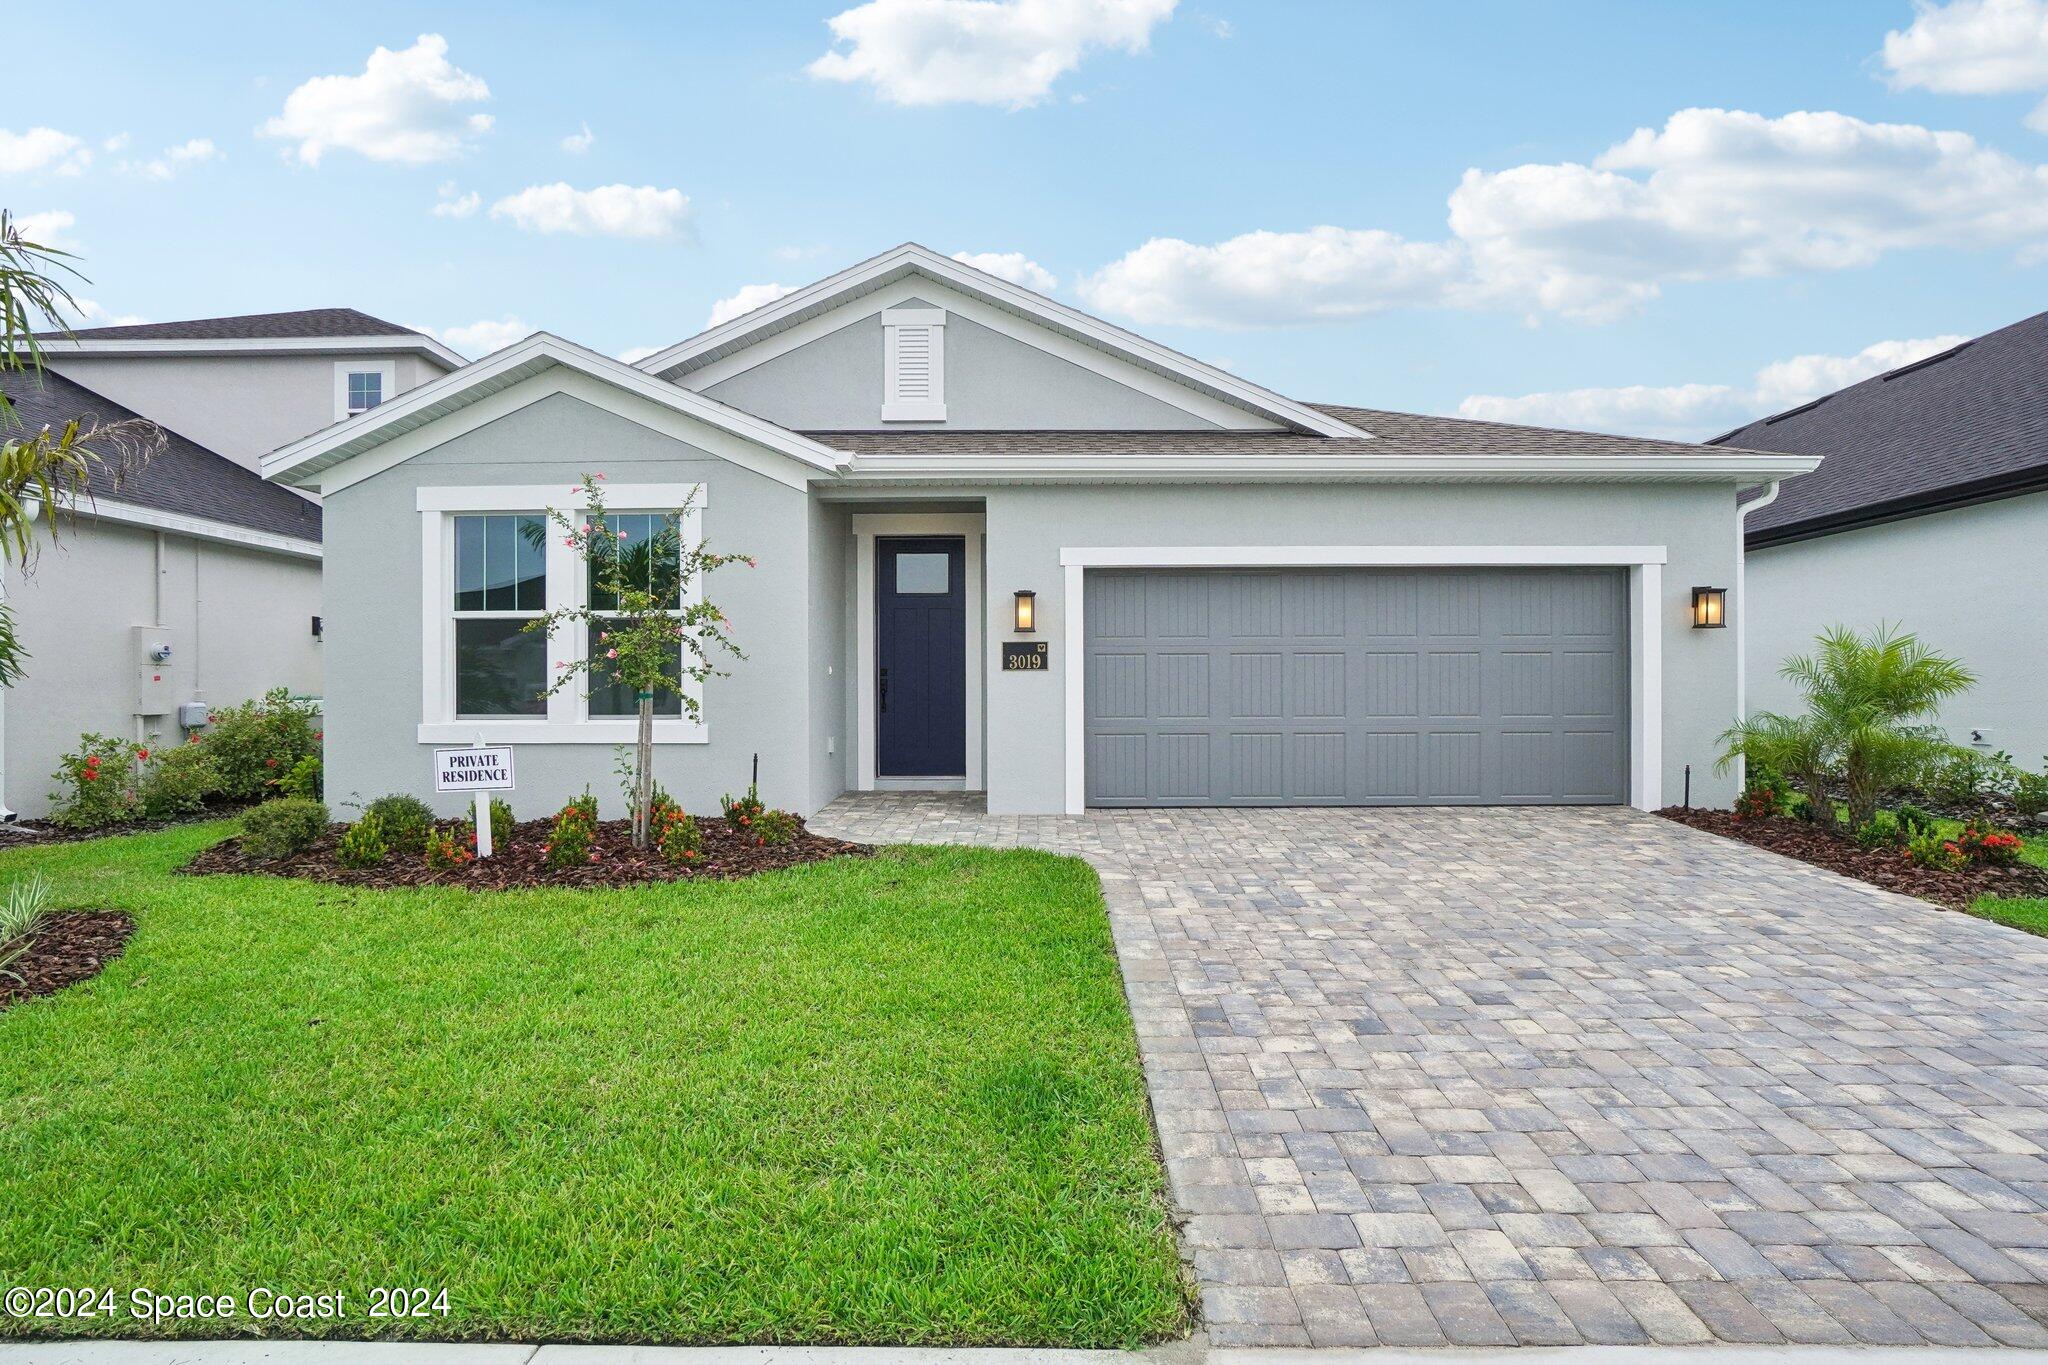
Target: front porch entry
x=919, y=644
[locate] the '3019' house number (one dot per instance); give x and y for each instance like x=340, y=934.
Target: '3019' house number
x=1026, y=656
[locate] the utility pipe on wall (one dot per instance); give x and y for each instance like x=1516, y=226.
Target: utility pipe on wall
x=1742, y=512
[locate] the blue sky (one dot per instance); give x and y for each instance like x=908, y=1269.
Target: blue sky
x=1268, y=186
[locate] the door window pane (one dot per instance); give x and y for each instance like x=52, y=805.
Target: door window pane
x=923, y=574
x=500, y=669
x=610, y=697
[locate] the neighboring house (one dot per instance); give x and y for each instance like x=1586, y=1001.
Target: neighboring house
x=1931, y=513
x=1238, y=598
x=194, y=550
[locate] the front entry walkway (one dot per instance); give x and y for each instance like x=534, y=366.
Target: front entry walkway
x=1499, y=1076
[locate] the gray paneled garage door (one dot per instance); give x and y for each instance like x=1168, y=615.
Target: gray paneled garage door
x=1356, y=687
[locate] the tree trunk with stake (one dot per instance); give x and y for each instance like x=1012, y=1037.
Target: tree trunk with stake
x=643, y=770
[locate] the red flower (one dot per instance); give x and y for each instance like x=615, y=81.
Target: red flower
x=91, y=776
x=92, y=760
x=142, y=753
x=270, y=763
x=319, y=734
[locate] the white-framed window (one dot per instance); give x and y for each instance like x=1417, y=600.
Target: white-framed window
x=913, y=365
x=491, y=562
x=360, y=385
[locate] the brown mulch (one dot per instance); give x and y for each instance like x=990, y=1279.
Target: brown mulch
x=1881, y=867
x=39, y=833
x=71, y=946
x=522, y=863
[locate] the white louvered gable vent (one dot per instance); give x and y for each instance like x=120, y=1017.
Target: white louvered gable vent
x=913, y=365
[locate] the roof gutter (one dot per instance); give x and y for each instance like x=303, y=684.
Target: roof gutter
x=1182, y=468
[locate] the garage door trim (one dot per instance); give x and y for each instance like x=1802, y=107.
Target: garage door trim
x=1645, y=564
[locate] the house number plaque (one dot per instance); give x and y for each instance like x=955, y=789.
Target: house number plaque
x=1026, y=656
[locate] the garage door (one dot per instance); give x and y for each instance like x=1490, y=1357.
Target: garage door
x=1356, y=687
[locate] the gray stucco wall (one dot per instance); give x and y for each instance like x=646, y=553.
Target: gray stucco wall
x=374, y=626
x=241, y=622
x=242, y=407
x=831, y=594
x=1028, y=526
x=1956, y=579
x=992, y=382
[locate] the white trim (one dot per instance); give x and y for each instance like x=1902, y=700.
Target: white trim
x=867, y=527
x=1345, y=465
x=1646, y=637
x=1089, y=331
x=411, y=343
x=385, y=370
x=566, y=720
x=199, y=528
x=922, y=290
x=1361, y=556
x=427, y=415
x=932, y=406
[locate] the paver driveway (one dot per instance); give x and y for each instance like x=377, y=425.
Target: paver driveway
x=1561, y=1076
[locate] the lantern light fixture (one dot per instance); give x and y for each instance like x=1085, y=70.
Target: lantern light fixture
x=1709, y=608
x=1027, y=611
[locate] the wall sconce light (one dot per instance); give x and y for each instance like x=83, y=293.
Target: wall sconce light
x=1027, y=612
x=1709, y=608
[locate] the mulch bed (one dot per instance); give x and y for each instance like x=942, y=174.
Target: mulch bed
x=1881, y=867
x=71, y=946
x=38, y=833
x=522, y=863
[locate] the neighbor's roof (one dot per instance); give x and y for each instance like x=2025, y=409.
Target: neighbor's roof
x=183, y=477
x=1962, y=426
x=306, y=322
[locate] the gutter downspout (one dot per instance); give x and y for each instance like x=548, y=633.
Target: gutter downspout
x=1742, y=512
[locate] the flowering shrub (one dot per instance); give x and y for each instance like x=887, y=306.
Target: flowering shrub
x=1986, y=843
x=445, y=852
x=776, y=827
x=303, y=779
x=1758, y=800
x=1941, y=855
x=176, y=781
x=404, y=820
x=258, y=743
x=501, y=823
x=278, y=828
x=575, y=830
x=743, y=811
x=677, y=837
x=96, y=783
x=363, y=844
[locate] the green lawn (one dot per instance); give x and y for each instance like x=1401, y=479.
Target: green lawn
x=868, y=1101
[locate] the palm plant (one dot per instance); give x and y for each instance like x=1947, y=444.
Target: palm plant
x=1870, y=701
x=22, y=913
x=46, y=471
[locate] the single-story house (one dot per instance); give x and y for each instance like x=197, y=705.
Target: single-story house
x=1930, y=513
x=1007, y=547
x=193, y=583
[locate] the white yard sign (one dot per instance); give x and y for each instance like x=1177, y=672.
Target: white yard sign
x=476, y=769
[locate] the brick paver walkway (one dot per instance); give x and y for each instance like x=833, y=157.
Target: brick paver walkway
x=1559, y=1076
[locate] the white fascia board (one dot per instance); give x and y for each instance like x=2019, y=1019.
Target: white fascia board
x=1355, y=556
x=198, y=528
x=1322, y=468
x=1054, y=314
x=98, y=346
x=295, y=463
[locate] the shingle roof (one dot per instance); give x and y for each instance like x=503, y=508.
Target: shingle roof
x=183, y=477
x=1969, y=423
x=1395, y=434
x=306, y=323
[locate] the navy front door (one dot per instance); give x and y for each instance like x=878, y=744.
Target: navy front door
x=921, y=656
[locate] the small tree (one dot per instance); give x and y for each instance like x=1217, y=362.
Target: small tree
x=1869, y=701
x=640, y=630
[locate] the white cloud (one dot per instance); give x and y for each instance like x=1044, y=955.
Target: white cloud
x=1013, y=266
x=1690, y=412
x=191, y=152
x=1974, y=47
x=1713, y=194
x=1007, y=52
x=746, y=300
x=1272, y=278
x=49, y=228
x=42, y=149
x=117, y=142
x=452, y=202
x=607, y=211
x=405, y=107
x=90, y=313
x=576, y=144
x=475, y=339
x=637, y=353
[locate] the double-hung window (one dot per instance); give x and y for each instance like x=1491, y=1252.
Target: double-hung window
x=493, y=563
x=501, y=583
